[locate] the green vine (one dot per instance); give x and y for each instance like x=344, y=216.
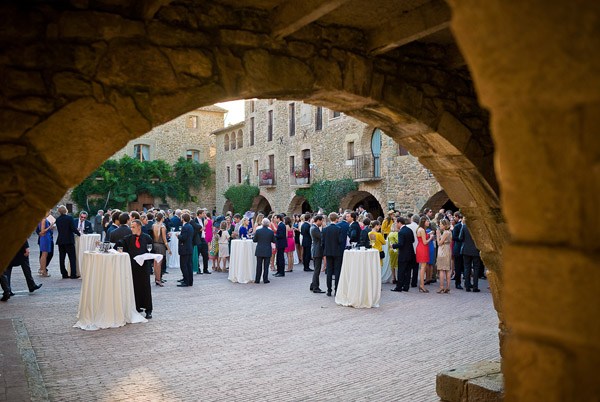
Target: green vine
x=241, y=196
x=326, y=194
x=118, y=182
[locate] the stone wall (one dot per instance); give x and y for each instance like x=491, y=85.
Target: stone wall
x=403, y=179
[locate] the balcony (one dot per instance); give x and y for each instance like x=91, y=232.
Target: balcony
x=367, y=168
x=266, y=178
x=300, y=177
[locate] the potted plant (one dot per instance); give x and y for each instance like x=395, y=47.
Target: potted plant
x=301, y=175
x=267, y=177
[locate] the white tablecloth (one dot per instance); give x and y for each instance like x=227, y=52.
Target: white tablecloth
x=360, y=280
x=242, y=262
x=107, y=299
x=83, y=243
x=173, y=258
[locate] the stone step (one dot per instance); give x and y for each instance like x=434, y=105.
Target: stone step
x=476, y=382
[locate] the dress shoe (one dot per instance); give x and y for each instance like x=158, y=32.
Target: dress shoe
x=199, y=272
x=182, y=285
x=476, y=290
x=207, y=272
x=309, y=270
x=165, y=273
x=75, y=277
x=405, y=290
x=468, y=289
x=36, y=287
x=267, y=282
x=5, y=297
x=396, y=290
x=318, y=291
x=65, y=277
x=311, y=288
x=459, y=287
x=148, y=315
x=11, y=293
x=279, y=275
x=180, y=280
x=329, y=293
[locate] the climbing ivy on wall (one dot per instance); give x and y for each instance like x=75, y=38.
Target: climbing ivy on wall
x=117, y=182
x=241, y=196
x=326, y=194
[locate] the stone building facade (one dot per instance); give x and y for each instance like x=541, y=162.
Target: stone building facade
x=279, y=142
x=186, y=136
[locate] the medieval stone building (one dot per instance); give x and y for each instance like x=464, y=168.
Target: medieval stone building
x=285, y=145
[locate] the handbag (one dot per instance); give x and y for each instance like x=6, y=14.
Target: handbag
x=382, y=254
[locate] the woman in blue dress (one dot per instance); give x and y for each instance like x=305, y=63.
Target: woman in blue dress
x=46, y=242
x=432, y=257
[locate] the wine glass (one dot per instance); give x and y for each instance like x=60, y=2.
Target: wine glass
x=149, y=247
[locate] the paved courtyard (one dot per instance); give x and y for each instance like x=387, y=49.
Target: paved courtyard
x=222, y=341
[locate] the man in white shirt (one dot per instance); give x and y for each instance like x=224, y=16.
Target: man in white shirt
x=414, y=225
x=203, y=246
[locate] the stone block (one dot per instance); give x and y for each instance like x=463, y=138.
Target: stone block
x=486, y=389
x=190, y=61
x=452, y=384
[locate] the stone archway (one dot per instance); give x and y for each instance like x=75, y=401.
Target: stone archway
x=227, y=207
x=298, y=205
x=356, y=198
x=440, y=200
x=261, y=204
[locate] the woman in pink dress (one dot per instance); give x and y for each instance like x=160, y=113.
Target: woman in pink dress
x=291, y=244
x=423, y=240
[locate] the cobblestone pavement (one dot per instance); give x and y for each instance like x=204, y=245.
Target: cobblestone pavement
x=275, y=342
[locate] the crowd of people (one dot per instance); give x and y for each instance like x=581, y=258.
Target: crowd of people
x=423, y=248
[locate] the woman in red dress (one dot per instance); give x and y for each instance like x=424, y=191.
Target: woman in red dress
x=291, y=245
x=423, y=251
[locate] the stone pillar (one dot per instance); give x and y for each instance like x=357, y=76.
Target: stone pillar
x=535, y=64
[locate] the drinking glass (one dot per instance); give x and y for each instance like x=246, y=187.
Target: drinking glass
x=149, y=247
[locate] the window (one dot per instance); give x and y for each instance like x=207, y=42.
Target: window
x=240, y=139
x=319, y=119
x=256, y=167
x=350, y=150
x=226, y=142
x=270, y=127
x=232, y=141
x=402, y=151
x=251, y=131
x=238, y=170
x=141, y=152
x=335, y=114
x=292, y=164
x=292, y=119
x=228, y=174
x=192, y=154
x=252, y=105
x=271, y=163
x=192, y=122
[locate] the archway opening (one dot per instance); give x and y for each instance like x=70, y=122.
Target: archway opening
x=440, y=200
x=261, y=204
x=228, y=206
x=365, y=199
x=299, y=205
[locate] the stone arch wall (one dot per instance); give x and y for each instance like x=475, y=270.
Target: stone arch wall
x=260, y=201
x=108, y=71
x=354, y=197
x=295, y=204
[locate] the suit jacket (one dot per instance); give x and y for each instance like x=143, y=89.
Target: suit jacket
x=468, y=246
x=404, y=245
x=333, y=246
x=176, y=223
x=364, y=238
x=186, y=240
x=65, y=226
x=316, y=249
x=98, y=224
x=119, y=233
x=281, y=236
x=197, y=238
x=354, y=232
x=20, y=258
x=305, y=232
x=147, y=228
x=457, y=243
x=345, y=226
x=87, y=226
x=263, y=237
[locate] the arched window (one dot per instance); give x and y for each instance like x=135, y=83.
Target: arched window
x=141, y=152
x=232, y=141
x=240, y=139
x=226, y=142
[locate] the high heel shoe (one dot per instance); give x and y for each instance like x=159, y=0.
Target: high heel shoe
x=45, y=274
x=157, y=283
x=447, y=290
x=441, y=291
x=423, y=290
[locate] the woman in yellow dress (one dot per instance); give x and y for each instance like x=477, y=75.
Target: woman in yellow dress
x=388, y=224
x=376, y=238
x=393, y=239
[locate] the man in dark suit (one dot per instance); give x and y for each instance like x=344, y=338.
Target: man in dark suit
x=263, y=237
x=98, y=229
x=354, y=230
x=281, y=244
x=334, y=243
x=83, y=225
x=458, y=258
x=316, y=251
x=202, y=245
x=114, y=219
x=471, y=258
x=364, y=234
x=186, y=248
x=196, y=240
x=135, y=244
x=65, y=226
x=345, y=226
x=176, y=221
x=306, y=242
x=22, y=259
x=123, y=229
x=406, y=255
x=147, y=228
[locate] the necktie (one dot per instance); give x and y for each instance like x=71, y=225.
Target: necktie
x=137, y=242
